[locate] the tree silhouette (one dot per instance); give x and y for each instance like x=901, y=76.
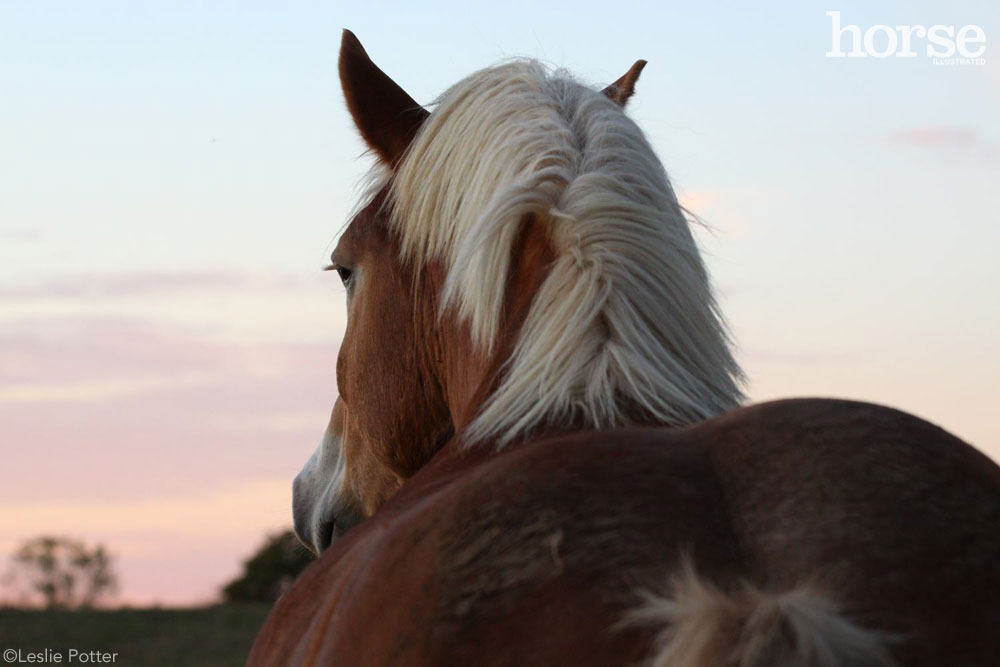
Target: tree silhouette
x=270, y=570
x=63, y=572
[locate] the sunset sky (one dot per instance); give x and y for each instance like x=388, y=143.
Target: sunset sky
x=172, y=176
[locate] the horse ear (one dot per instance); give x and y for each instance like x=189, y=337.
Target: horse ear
x=384, y=114
x=622, y=89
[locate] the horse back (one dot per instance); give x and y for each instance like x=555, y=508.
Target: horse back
x=898, y=520
x=536, y=555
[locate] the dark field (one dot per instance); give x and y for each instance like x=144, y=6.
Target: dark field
x=207, y=636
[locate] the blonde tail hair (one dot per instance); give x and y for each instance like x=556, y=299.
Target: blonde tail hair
x=704, y=626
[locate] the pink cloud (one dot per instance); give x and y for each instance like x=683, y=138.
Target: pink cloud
x=146, y=283
x=153, y=439
x=945, y=138
x=937, y=136
x=67, y=349
x=24, y=235
x=121, y=408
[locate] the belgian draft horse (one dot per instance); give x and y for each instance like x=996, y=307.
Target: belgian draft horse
x=538, y=455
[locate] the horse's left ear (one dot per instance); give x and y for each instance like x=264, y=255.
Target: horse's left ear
x=622, y=89
x=384, y=114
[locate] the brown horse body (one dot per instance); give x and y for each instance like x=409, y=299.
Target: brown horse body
x=801, y=532
x=532, y=556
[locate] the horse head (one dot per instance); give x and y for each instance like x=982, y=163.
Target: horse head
x=520, y=265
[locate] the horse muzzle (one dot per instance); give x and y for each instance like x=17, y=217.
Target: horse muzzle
x=320, y=512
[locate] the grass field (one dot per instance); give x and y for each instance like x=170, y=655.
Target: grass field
x=208, y=636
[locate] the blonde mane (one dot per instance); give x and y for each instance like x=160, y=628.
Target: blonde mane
x=625, y=323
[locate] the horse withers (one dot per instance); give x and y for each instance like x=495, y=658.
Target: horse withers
x=538, y=455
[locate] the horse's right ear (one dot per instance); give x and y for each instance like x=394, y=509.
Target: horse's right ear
x=386, y=116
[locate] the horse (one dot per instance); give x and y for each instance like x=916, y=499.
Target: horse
x=541, y=453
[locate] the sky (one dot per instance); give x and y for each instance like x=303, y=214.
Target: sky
x=173, y=175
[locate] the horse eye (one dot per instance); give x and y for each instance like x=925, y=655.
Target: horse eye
x=345, y=275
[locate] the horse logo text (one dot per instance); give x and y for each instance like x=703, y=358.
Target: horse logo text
x=882, y=41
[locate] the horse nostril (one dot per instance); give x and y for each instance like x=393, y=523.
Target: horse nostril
x=325, y=534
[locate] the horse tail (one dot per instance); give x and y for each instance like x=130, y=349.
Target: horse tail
x=700, y=625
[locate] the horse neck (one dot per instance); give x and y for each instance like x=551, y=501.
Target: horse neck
x=468, y=375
